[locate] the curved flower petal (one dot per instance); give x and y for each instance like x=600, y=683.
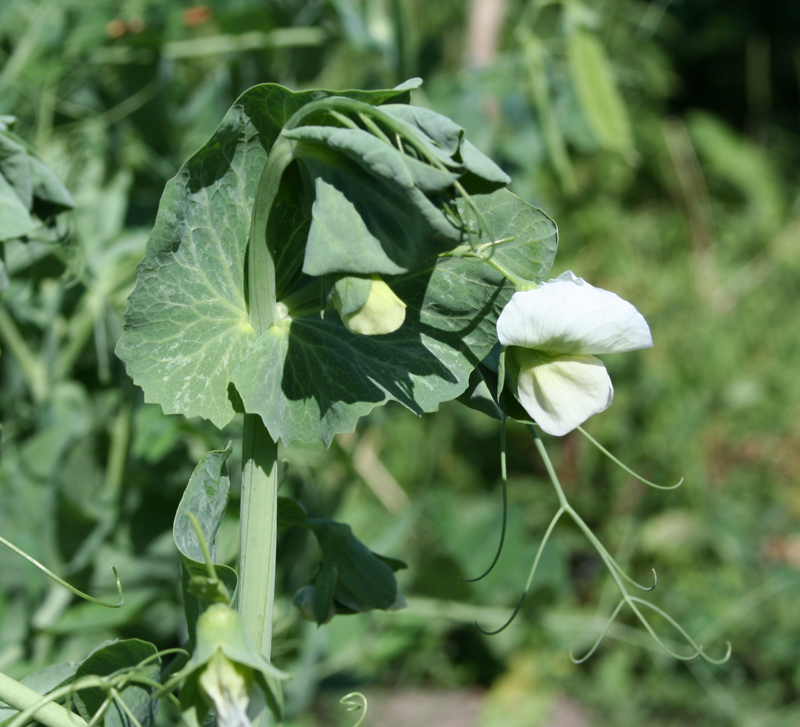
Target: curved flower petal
x=569, y=316
x=560, y=393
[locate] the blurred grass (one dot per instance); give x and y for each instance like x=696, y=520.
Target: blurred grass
x=697, y=226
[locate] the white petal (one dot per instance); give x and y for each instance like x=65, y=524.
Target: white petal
x=569, y=316
x=228, y=684
x=560, y=393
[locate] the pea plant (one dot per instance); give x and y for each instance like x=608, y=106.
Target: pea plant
x=325, y=253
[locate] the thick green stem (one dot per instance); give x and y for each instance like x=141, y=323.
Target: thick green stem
x=20, y=697
x=259, y=505
x=259, y=527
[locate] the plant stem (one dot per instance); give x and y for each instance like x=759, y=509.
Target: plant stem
x=259, y=504
x=50, y=714
x=32, y=368
x=261, y=256
x=258, y=531
x=259, y=528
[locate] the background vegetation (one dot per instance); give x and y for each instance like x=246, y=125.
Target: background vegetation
x=673, y=179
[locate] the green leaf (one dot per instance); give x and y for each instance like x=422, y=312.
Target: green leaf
x=521, y=238
x=290, y=513
x=110, y=658
x=365, y=576
x=483, y=175
x=324, y=588
x=360, y=226
x=26, y=179
x=597, y=92
x=310, y=378
x=15, y=166
x=15, y=220
x=187, y=325
x=206, y=497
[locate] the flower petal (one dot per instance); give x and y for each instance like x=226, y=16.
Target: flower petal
x=569, y=316
x=562, y=392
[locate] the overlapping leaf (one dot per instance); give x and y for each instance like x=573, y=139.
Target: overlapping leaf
x=187, y=324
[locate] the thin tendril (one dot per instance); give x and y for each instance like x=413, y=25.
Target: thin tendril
x=375, y=129
x=600, y=637
x=62, y=582
x=349, y=701
x=605, y=555
x=682, y=631
x=546, y=537
x=504, y=478
x=342, y=119
x=616, y=573
x=98, y=715
x=625, y=467
x=125, y=708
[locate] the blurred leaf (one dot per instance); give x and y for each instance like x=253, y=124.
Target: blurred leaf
x=15, y=220
x=367, y=578
x=743, y=164
x=291, y=512
x=89, y=618
x=597, y=92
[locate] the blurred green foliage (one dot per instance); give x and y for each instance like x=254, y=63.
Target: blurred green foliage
x=681, y=204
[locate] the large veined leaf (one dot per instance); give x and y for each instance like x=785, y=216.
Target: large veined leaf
x=187, y=324
x=188, y=341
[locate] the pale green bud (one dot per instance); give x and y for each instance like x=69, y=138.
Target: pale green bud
x=382, y=313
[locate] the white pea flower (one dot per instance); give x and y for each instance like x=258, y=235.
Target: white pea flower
x=551, y=333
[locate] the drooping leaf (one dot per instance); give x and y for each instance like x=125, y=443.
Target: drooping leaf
x=361, y=227
x=482, y=174
x=106, y=660
x=290, y=513
x=324, y=588
x=187, y=324
x=351, y=578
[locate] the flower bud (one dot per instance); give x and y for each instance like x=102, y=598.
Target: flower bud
x=383, y=312
x=230, y=687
